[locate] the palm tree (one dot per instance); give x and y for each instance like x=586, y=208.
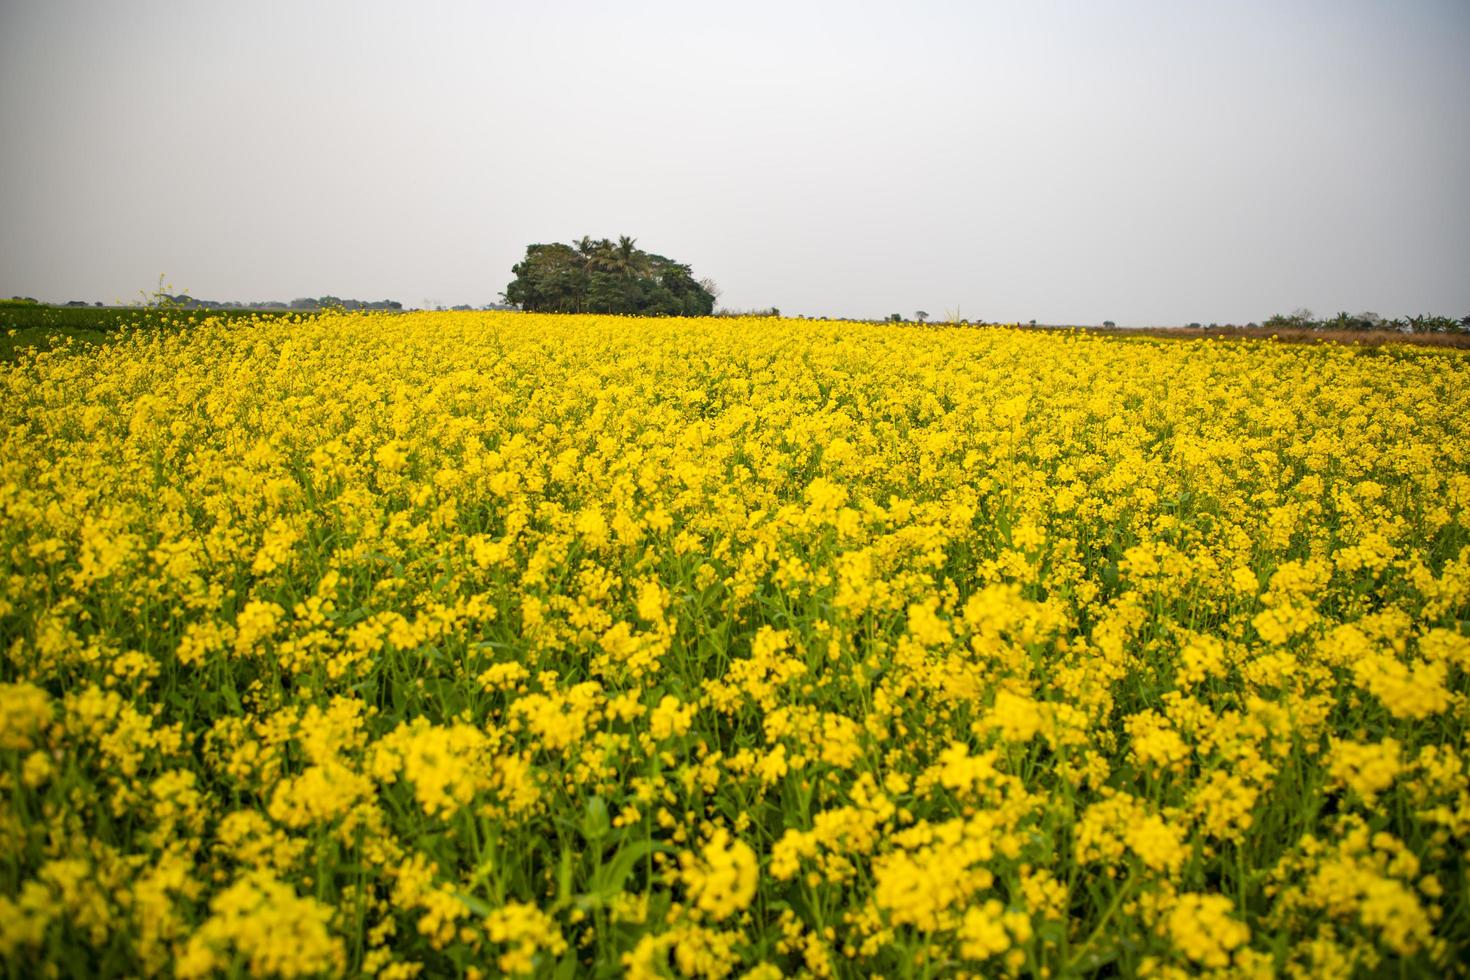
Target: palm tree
x=599, y=255
x=627, y=259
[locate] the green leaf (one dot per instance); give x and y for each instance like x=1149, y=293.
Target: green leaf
x=477, y=906
x=595, y=822
x=564, y=878
x=566, y=968
x=609, y=879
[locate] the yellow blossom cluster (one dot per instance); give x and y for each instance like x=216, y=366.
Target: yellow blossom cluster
x=494, y=644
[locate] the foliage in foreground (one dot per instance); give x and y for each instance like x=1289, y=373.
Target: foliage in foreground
x=27, y=325
x=505, y=643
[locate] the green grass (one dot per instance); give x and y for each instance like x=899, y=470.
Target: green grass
x=24, y=325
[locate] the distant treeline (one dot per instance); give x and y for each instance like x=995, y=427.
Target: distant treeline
x=305, y=303
x=1303, y=319
x=184, y=301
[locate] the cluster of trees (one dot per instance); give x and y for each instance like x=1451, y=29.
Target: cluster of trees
x=1303, y=319
x=600, y=276
x=767, y=311
x=332, y=302
x=183, y=301
x=186, y=302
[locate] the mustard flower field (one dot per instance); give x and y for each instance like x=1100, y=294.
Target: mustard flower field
x=481, y=644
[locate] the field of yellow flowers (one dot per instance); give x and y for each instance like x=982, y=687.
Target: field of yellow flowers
x=471, y=644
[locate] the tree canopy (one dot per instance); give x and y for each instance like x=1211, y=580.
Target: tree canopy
x=606, y=277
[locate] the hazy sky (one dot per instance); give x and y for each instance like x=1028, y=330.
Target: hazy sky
x=1068, y=162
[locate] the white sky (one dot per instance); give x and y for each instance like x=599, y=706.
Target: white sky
x=1068, y=162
